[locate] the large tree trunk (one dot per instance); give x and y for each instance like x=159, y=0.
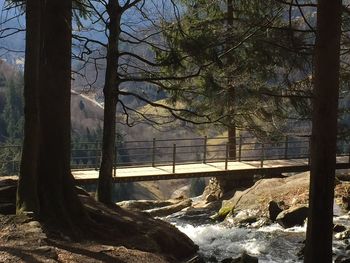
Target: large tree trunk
x=324, y=132
x=58, y=199
x=47, y=165
x=27, y=198
x=104, y=191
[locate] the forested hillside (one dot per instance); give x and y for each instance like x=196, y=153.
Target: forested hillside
x=86, y=115
x=11, y=104
x=87, y=121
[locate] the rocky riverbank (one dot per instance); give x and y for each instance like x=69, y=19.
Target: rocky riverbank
x=128, y=236
x=244, y=214
x=269, y=208
x=281, y=200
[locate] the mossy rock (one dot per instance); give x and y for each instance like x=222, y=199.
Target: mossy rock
x=223, y=213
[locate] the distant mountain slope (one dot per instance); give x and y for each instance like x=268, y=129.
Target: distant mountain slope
x=86, y=113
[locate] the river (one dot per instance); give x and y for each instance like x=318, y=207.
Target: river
x=270, y=244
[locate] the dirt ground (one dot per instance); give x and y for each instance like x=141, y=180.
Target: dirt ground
x=23, y=240
x=112, y=234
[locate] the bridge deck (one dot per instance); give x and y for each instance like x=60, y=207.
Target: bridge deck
x=209, y=157
x=236, y=170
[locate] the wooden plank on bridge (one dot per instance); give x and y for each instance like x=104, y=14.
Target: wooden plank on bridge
x=236, y=170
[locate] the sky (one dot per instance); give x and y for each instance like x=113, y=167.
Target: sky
x=16, y=43
x=13, y=43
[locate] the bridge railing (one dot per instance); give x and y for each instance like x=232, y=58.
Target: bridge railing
x=160, y=152
x=206, y=150
x=10, y=158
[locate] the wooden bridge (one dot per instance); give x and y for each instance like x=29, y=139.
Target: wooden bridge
x=238, y=171
x=164, y=159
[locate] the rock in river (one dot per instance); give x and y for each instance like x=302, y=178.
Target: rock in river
x=170, y=209
x=274, y=210
x=294, y=216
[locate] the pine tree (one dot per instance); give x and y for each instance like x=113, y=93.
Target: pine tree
x=240, y=66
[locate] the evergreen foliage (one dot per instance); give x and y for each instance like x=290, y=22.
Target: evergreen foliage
x=11, y=123
x=11, y=115
x=258, y=58
x=86, y=149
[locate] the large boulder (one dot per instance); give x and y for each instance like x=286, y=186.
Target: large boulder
x=142, y=205
x=168, y=210
x=145, y=205
x=274, y=210
x=244, y=218
x=294, y=216
x=290, y=191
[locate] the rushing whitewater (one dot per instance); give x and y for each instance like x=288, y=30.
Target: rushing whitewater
x=270, y=244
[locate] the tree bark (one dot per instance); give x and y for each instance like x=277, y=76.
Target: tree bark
x=27, y=198
x=104, y=191
x=58, y=199
x=46, y=181
x=232, y=143
x=324, y=132
x=231, y=89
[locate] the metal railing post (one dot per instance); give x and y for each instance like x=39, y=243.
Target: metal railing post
x=174, y=157
x=115, y=161
x=240, y=148
x=96, y=156
x=262, y=155
x=154, y=152
x=226, y=157
x=13, y=163
x=286, y=148
x=205, y=149
x=20, y=158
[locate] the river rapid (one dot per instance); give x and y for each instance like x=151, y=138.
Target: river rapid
x=270, y=244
